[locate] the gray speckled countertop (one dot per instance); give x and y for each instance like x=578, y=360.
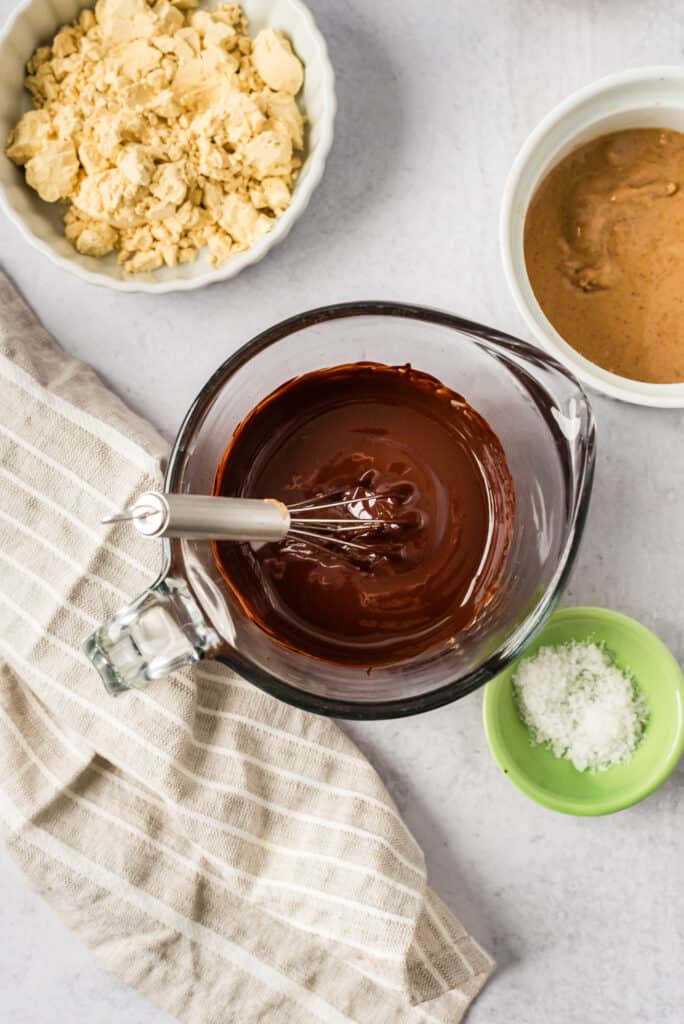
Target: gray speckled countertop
x=585, y=917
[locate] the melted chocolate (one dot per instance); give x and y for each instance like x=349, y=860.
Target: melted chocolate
x=398, y=446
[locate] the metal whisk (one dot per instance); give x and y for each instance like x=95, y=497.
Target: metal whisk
x=201, y=517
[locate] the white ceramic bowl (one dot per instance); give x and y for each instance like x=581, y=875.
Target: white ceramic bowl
x=640, y=98
x=34, y=23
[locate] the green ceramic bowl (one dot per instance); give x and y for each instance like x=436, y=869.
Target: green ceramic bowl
x=554, y=782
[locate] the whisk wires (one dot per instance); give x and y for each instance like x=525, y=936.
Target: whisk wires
x=326, y=529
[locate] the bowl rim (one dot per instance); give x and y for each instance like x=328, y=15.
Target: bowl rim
x=600, y=805
x=448, y=691
x=315, y=159
x=664, y=396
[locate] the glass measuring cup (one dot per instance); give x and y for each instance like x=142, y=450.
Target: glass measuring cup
x=544, y=421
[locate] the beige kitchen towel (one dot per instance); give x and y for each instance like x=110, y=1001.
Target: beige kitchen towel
x=235, y=859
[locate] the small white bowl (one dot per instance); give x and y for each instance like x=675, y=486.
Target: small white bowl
x=34, y=23
x=642, y=98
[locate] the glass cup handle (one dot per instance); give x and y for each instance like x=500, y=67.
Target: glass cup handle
x=162, y=631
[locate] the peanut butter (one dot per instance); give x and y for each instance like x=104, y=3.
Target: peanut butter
x=604, y=249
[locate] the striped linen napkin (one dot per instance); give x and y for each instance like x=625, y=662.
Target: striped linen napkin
x=233, y=858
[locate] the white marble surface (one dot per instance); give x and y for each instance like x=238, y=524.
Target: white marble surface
x=586, y=917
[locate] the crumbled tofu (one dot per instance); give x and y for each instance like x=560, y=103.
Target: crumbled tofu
x=241, y=221
x=220, y=246
x=141, y=262
x=272, y=193
x=136, y=166
x=269, y=153
x=283, y=111
x=122, y=21
x=274, y=60
x=53, y=172
x=169, y=184
x=29, y=136
x=97, y=239
x=164, y=128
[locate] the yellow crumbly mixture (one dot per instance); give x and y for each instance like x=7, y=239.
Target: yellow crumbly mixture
x=165, y=128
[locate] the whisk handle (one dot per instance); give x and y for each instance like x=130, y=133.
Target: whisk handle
x=203, y=517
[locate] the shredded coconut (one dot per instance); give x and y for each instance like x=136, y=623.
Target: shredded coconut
x=576, y=701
